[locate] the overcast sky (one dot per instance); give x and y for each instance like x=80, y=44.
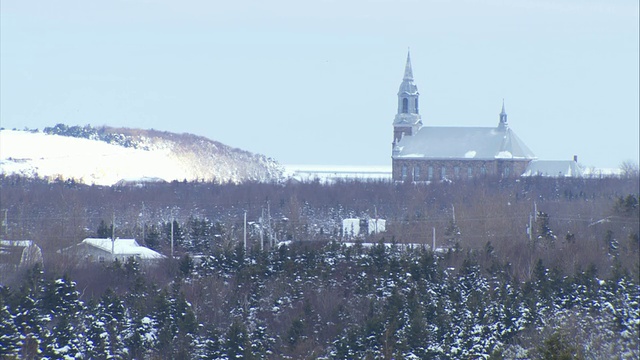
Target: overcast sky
x=315, y=82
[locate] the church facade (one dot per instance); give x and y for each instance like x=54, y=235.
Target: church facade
x=428, y=153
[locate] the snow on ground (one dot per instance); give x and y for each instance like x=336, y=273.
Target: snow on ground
x=88, y=161
x=334, y=172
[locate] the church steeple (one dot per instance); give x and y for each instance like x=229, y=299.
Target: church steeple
x=408, y=72
x=407, y=121
x=503, y=118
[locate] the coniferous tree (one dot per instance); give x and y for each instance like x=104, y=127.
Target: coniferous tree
x=9, y=336
x=544, y=229
x=61, y=303
x=152, y=238
x=236, y=341
x=104, y=231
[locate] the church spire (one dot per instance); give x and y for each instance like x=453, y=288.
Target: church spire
x=408, y=72
x=407, y=121
x=503, y=118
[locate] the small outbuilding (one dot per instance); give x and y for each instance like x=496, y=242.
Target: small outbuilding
x=19, y=253
x=361, y=227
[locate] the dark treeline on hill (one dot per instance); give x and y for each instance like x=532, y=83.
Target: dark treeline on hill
x=569, y=287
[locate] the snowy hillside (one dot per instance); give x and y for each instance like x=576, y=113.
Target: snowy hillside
x=137, y=154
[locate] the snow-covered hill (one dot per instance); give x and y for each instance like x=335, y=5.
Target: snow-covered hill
x=145, y=154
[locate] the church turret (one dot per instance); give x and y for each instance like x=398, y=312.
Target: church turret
x=407, y=121
x=503, y=118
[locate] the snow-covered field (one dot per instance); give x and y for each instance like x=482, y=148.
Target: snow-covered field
x=100, y=163
x=87, y=161
x=148, y=155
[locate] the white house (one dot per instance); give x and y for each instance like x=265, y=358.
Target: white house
x=109, y=250
x=360, y=227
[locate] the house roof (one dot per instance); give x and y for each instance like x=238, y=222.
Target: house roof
x=123, y=247
x=481, y=143
x=553, y=168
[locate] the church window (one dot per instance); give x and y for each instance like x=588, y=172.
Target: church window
x=444, y=173
x=456, y=172
x=404, y=172
x=483, y=170
x=416, y=173
x=506, y=172
x=405, y=105
x=469, y=172
x=430, y=173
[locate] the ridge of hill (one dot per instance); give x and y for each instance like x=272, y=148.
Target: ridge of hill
x=108, y=155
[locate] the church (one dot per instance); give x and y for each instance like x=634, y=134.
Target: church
x=429, y=153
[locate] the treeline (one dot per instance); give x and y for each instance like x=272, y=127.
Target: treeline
x=90, y=132
x=321, y=301
x=565, y=222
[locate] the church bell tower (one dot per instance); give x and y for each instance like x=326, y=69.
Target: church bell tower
x=503, y=124
x=407, y=121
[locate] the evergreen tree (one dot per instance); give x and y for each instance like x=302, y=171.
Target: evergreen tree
x=9, y=336
x=544, y=229
x=152, y=237
x=186, y=265
x=452, y=234
x=60, y=302
x=558, y=347
x=236, y=341
x=140, y=337
x=178, y=234
x=104, y=231
x=213, y=346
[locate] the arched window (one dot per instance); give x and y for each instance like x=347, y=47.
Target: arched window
x=404, y=172
x=417, y=112
x=405, y=105
x=416, y=173
x=430, y=173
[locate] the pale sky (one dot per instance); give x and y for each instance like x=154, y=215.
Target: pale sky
x=315, y=82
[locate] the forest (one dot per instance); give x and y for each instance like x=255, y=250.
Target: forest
x=528, y=268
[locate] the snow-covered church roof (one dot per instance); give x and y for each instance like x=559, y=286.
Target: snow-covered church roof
x=481, y=143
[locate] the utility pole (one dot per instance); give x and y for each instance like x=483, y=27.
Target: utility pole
x=143, y=222
x=5, y=224
x=453, y=210
x=261, y=231
x=113, y=233
x=269, y=224
x=245, y=231
x=172, y=236
x=375, y=210
x=434, y=239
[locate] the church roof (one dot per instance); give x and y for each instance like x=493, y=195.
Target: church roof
x=481, y=143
